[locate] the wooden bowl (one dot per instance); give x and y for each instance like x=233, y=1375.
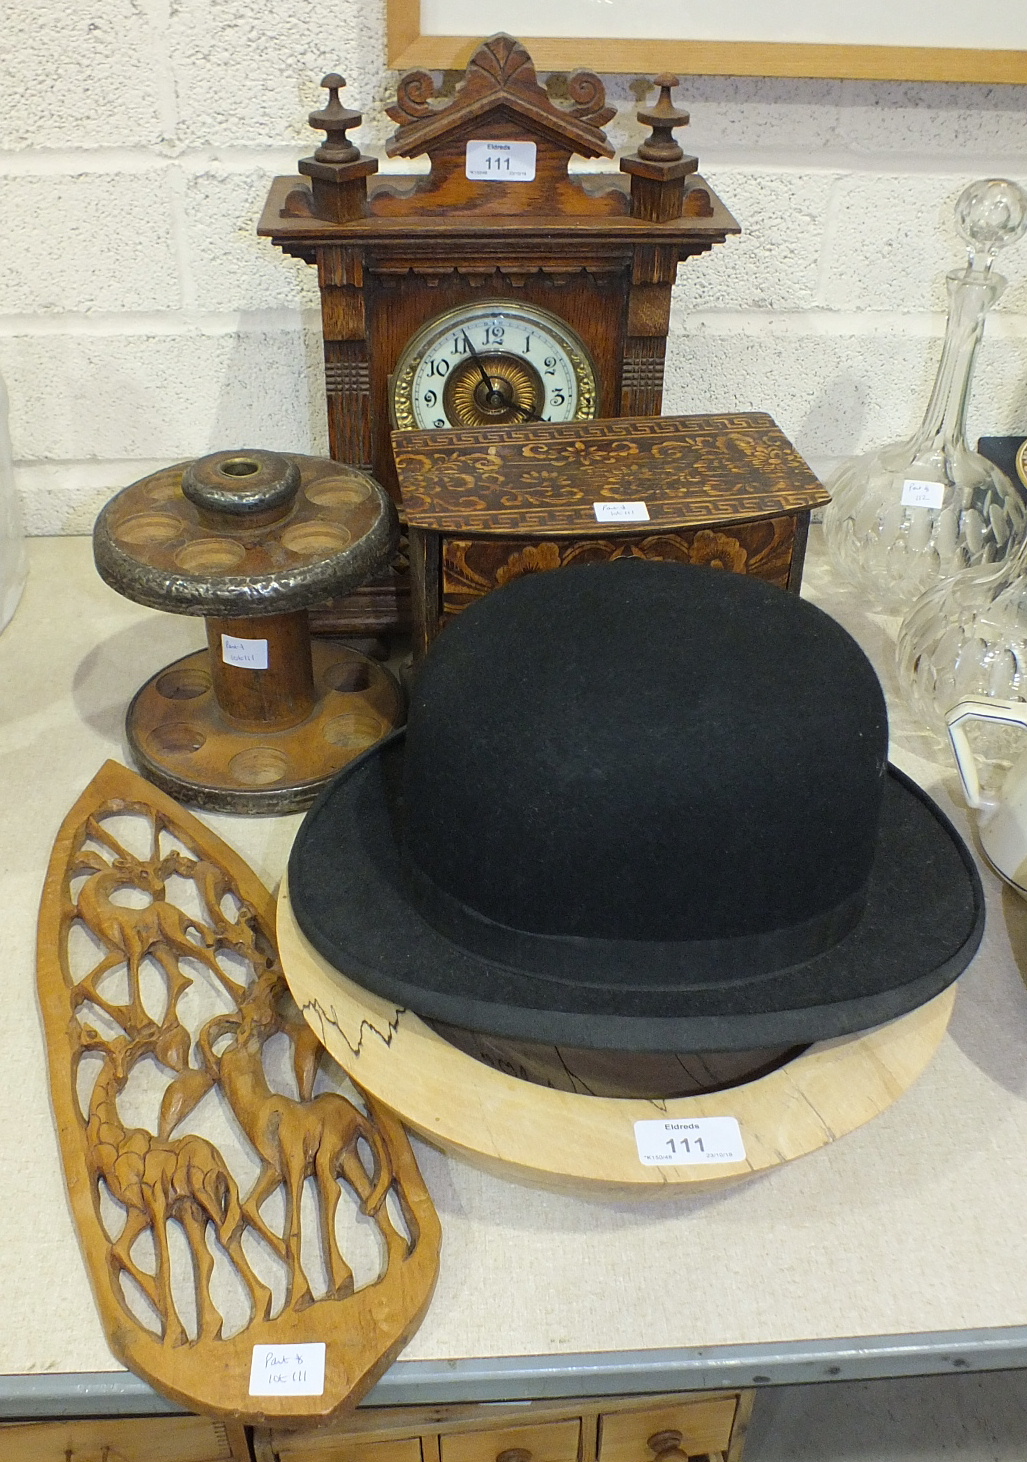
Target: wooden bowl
x=534, y=1134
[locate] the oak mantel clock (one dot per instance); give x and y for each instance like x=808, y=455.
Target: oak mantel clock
x=498, y=288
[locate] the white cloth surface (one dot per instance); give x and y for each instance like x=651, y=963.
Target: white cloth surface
x=916, y=1222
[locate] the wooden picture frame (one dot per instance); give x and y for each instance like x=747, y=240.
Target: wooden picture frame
x=408, y=47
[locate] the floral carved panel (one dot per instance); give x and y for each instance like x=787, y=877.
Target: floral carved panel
x=472, y=567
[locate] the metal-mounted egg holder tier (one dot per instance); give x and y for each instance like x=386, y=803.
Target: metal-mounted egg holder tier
x=263, y=718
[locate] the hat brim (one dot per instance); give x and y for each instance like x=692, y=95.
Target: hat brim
x=921, y=926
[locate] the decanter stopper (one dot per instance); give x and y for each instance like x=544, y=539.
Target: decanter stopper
x=991, y=214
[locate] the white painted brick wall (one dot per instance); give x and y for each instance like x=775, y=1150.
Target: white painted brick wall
x=142, y=321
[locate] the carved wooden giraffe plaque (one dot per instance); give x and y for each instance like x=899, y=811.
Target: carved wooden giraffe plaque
x=232, y=1190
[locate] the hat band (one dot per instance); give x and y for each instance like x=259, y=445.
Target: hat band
x=640, y=964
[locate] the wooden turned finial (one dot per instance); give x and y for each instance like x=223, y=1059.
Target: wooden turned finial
x=660, y=145
x=338, y=171
x=336, y=120
x=666, y=1447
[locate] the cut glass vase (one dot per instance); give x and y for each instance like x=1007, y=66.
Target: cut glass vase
x=967, y=637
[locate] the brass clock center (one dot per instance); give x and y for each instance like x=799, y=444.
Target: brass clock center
x=512, y=392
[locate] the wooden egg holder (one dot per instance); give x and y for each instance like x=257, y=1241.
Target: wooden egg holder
x=263, y=718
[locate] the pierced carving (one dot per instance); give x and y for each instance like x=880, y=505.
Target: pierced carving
x=179, y=1067
x=588, y=94
x=500, y=72
x=157, y=1179
x=299, y=203
x=413, y=97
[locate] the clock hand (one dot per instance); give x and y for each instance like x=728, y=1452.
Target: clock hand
x=481, y=366
x=497, y=397
x=525, y=411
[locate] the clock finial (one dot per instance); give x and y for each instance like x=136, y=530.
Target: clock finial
x=336, y=120
x=338, y=171
x=659, y=168
x=660, y=145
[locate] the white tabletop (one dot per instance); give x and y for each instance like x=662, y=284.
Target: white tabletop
x=902, y=1247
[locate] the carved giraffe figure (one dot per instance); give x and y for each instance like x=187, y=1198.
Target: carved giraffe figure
x=160, y=929
x=315, y=1136
x=157, y=1179
x=243, y=934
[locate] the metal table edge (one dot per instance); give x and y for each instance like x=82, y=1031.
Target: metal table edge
x=596, y=1373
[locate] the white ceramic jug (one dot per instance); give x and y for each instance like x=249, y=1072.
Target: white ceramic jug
x=1002, y=822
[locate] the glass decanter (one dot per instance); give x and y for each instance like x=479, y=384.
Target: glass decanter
x=916, y=512
x=967, y=637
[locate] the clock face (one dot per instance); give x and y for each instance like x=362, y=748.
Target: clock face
x=490, y=364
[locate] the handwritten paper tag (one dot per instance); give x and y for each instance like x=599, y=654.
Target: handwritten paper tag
x=621, y=512
x=919, y=494
x=679, y=1142
x=247, y=654
x=288, y=1370
x=500, y=162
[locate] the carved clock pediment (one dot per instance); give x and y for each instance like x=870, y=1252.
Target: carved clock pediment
x=500, y=74
x=500, y=98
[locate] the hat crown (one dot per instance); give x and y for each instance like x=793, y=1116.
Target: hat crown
x=643, y=751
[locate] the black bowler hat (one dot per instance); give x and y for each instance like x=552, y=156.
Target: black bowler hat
x=640, y=806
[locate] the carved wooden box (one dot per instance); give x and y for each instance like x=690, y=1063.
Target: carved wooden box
x=487, y=505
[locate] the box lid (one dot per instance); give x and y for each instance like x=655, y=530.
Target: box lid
x=687, y=470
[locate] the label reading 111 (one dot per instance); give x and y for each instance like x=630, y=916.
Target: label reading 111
x=500, y=162
x=689, y=1141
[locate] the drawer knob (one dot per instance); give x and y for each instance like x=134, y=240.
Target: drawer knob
x=514, y=1454
x=666, y=1446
